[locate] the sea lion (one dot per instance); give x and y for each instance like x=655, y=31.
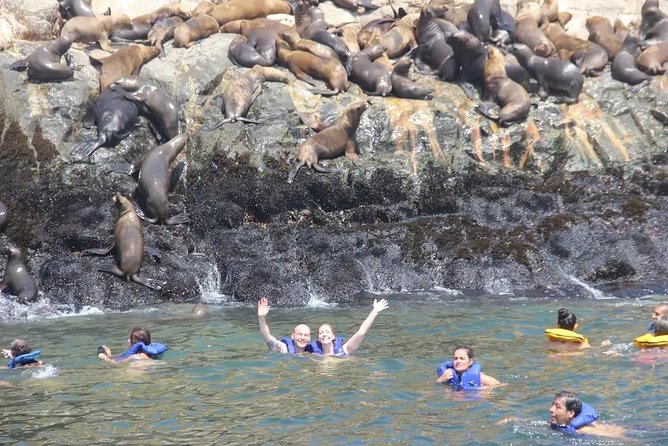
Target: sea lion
x=528, y=33
x=309, y=67
x=470, y=55
x=651, y=15
x=555, y=76
x=128, y=246
x=433, y=49
x=162, y=31
x=311, y=46
x=602, y=32
x=589, y=56
x=334, y=141
x=402, y=86
x=242, y=9
x=621, y=30
x=514, y=101
x=242, y=91
x=16, y=279
x=624, y=67
x=372, y=77
x=76, y=8
x=127, y=61
x=95, y=29
x=382, y=25
x=310, y=24
x=652, y=59
x=197, y=28
x=163, y=111
x=43, y=64
x=549, y=13
x=479, y=17
x=243, y=54
x=400, y=38
x=115, y=117
x=354, y=5
x=3, y=216
x=141, y=25
x=235, y=26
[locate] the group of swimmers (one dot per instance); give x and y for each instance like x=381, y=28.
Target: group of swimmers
x=567, y=412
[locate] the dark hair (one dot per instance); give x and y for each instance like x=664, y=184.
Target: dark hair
x=571, y=401
x=19, y=347
x=466, y=348
x=140, y=334
x=661, y=327
x=566, y=319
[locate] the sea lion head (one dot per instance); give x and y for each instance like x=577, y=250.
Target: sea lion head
x=14, y=252
x=122, y=203
x=121, y=21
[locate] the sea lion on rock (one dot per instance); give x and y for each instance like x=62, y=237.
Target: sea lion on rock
x=242, y=91
x=43, y=64
x=141, y=25
x=310, y=24
x=235, y=26
x=311, y=46
x=624, y=67
x=589, y=56
x=16, y=279
x=334, y=141
x=242, y=9
x=372, y=77
x=402, y=86
x=309, y=67
x=528, y=33
x=433, y=49
x=400, y=38
x=128, y=246
x=602, y=33
x=549, y=13
x=651, y=16
x=555, y=76
x=115, y=117
x=471, y=56
x=242, y=53
x=76, y=8
x=652, y=60
x=354, y=5
x=162, y=31
x=192, y=30
x=127, y=61
x=163, y=111
x=95, y=29
x=514, y=101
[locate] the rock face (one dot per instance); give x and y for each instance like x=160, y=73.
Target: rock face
x=441, y=197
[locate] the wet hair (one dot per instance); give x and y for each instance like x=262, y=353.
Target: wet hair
x=571, y=401
x=566, y=319
x=661, y=327
x=140, y=334
x=19, y=347
x=466, y=348
x=331, y=327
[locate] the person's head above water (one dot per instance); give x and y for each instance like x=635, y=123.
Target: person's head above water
x=139, y=334
x=462, y=358
x=565, y=407
x=661, y=311
x=566, y=320
x=661, y=327
x=19, y=347
x=301, y=335
x=326, y=334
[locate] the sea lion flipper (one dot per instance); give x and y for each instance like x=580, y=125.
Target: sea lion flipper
x=126, y=168
x=293, y=172
x=176, y=174
x=19, y=65
x=100, y=251
x=153, y=252
x=149, y=283
x=250, y=121
x=486, y=110
x=110, y=268
x=318, y=168
x=178, y=219
x=86, y=148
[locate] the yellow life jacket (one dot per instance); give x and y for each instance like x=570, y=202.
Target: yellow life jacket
x=561, y=334
x=649, y=340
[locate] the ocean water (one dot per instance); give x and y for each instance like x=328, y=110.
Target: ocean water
x=218, y=383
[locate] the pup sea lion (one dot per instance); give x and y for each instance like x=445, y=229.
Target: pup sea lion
x=508, y=94
x=242, y=9
x=589, y=56
x=242, y=91
x=162, y=31
x=309, y=67
x=555, y=76
x=310, y=24
x=163, y=111
x=128, y=246
x=3, y=216
x=334, y=141
x=43, y=64
x=652, y=60
x=95, y=29
x=115, y=117
x=127, y=61
x=602, y=32
x=197, y=28
x=372, y=77
x=16, y=279
x=624, y=67
x=75, y=8
x=402, y=86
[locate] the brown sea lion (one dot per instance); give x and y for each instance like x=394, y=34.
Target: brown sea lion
x=272, y=25
x=43, y=64
x=197, y=28
x=400, y=38
x=95, y=29
x=163, y=111
x=310, y=24
x=127, y=61
x=652, y=59
x=242, y=91
x=16, y=280
x=309, y=67
x=297, y=43
x=128, y=246
x=333, y=142
x=141, y=25
x=549, y=13
x=589, y=56
x=513, y=99
x=651, y=16
x=162, y=31
x=624, y=67
x=402, y=86
x=621, y=30
x=555, y=76
x=602, y=32
x=242, y=9
x=243, y=54
x=528, y=33
x=372, y=77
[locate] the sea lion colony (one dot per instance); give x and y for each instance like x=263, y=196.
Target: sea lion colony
x=479, y=46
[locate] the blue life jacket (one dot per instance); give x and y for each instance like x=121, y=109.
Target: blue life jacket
x=587, y=416
x=153, y=350
x=24, y=359
x=292, y=348
x=469, y=380
x=316, y=348
x=651, y=327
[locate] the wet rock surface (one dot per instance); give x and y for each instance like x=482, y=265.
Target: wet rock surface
x=441, y=197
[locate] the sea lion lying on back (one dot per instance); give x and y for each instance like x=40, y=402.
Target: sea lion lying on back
x=333, y=142
x=95, y=29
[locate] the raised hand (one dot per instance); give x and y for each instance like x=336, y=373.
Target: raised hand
x=380, y=305
x=263, y=307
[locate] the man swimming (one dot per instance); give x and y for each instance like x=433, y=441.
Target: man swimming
x=298, y=342
x=569, y=414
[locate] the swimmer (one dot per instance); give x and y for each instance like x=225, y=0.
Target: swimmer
x=21, y=355
x=564, y=337
x=569, y=414
x=298, y=342
x=329, y=345
x=463, y=372
x=661, y=311
x=140, y=348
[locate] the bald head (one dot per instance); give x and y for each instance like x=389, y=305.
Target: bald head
x=661, y=311
x=302, y=336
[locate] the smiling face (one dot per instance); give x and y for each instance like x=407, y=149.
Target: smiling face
x=558, y=413
x=461, y=361
x=325, y=334
x=302, y=336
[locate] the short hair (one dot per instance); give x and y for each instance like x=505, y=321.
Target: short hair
x=571, y=401
x=663, y=309
x=661, y=327
x=566, y=319
x=19, y=347
x=466, y=348
x=140, y=334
